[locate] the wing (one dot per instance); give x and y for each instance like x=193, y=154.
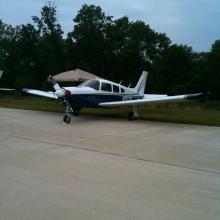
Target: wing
x=147, y=99
x=50, y=95
x=6, y=89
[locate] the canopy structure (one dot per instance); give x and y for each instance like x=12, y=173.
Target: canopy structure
x=76, y=75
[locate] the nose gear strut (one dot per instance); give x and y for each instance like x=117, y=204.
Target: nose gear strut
x=67, y=117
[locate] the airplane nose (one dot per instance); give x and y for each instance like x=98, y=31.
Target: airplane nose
x=68, y=93
x=62, y=92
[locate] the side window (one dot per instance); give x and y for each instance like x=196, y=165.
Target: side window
x=122, y=90
x=115, y=88
x=106, y=87
x=95, y=85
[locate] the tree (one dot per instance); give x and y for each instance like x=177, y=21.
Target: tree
x=51, y=57
x=113, y=49
x=136, y=46
x=171, y=72
x=27, y=50
x=88, y=37
x=213, y=70
x=8, y=45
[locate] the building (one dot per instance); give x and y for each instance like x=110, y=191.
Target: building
x=76, y=75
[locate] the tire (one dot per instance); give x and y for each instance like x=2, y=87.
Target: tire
x=131, y=116
x=66, y=118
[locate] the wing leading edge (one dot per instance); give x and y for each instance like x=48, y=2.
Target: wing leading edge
x=50, y=95
x=150, y=99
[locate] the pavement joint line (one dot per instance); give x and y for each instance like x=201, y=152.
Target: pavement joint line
x=108, y=153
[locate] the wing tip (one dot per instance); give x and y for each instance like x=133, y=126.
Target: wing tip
x=197, y=95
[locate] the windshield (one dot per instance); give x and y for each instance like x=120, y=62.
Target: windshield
x=94, y=84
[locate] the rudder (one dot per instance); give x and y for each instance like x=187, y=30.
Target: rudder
x=140, y=87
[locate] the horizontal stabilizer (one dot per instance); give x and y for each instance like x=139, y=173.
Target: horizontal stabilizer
x=6, y=89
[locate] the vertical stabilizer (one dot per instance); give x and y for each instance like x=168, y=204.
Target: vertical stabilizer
x=140, y=87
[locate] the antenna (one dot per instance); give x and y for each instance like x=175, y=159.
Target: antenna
x=129, y=85
x=120, y=82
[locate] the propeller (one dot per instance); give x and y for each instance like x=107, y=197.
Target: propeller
x=64, y=94
x=60, y=92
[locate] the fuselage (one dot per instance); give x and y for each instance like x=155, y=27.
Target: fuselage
x=92, y=92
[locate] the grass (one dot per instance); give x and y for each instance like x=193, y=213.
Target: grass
x=193, y=112
x=30, y=102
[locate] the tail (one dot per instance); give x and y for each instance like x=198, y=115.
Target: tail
x=140, y=87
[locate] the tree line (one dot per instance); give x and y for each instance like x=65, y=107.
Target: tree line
x=115, y=49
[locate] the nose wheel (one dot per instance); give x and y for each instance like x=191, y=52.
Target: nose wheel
x=68, y=111
x=67, y=118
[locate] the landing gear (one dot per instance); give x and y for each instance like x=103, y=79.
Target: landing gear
x=67, y=118
x=132, y=114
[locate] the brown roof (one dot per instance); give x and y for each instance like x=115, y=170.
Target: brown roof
x=74, y=75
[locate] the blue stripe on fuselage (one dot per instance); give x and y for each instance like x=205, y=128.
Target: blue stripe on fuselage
x=92, y=100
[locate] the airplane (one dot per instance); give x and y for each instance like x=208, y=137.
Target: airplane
x=4, y=89
x=102, y=93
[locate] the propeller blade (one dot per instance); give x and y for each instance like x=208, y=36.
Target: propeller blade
x=56, y=86
x=60, y=92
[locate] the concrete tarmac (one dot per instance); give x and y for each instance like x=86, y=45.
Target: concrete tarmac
x=104, y=168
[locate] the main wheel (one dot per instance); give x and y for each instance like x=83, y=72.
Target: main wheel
x=67, y=118
x=131, y=116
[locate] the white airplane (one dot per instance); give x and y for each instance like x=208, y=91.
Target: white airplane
x=4, y=89
x=101, y=93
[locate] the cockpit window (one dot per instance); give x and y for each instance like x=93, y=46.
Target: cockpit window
x=83, y=83
x=106, y=87
x=94, y=84
x=115, y=89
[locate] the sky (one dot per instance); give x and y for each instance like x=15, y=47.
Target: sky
x=195, y=23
